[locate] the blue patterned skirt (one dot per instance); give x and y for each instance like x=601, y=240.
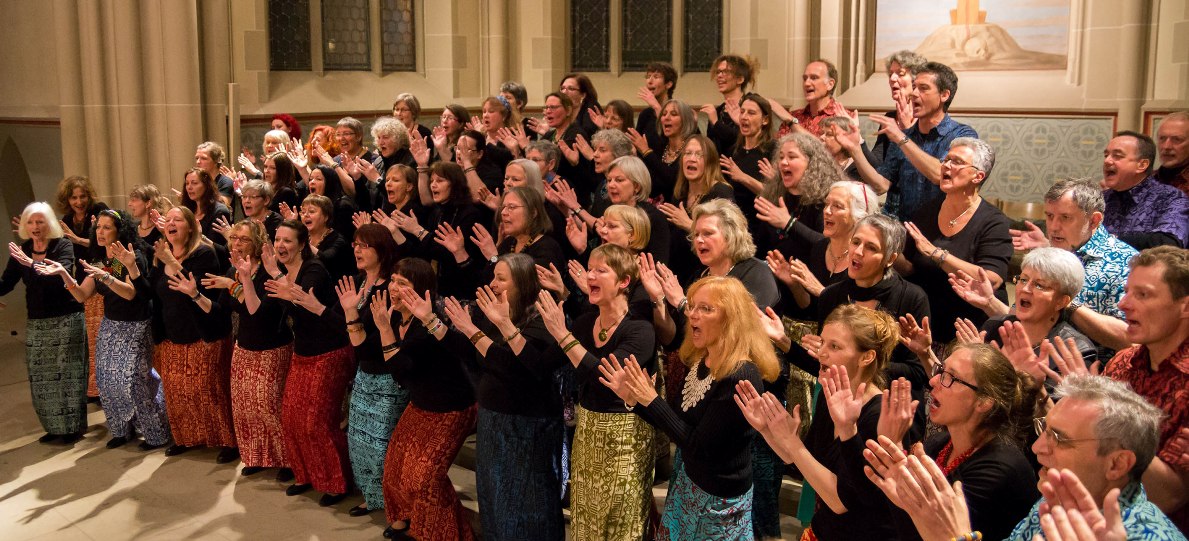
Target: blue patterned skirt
x=56, y=355
x=131, y=390
x=693, y=513
x=517, y=477
x=376, y=405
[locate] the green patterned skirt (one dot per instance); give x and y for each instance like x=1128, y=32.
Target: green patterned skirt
x=56, y=354
x=611, y=479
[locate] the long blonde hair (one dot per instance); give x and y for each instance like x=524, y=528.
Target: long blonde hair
x=743, y=338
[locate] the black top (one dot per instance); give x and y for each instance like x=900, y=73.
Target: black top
x=714, y=438
x=985, y=242
x=117, y=308
x=646, y=123
x=317, y=334
x=756, y=278
x=580, y=175
x=368, y=354
x=663, y=175
x=272, y=221
x=287, y=195
x=208, y=222
x=748, y=161
x=83, y=230
x=631, y=337
x=267, y=328
x=434, y=377
x=44, y=295
x=225, y=185
x=183, y=321
x=335, y=252
x=491, y=166
x=724, y=133
x=545, y=251
x=509, y=383
x=659, y=244
x=682, y=260
x=452, y=281
x=810, y=247
x=868, y=512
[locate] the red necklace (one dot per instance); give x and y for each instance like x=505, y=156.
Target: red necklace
x=944, y=456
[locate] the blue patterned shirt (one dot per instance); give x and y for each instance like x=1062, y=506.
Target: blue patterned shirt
x=910, y=189
x=1141, y=518
x=1105, y=258
x=1148, y=207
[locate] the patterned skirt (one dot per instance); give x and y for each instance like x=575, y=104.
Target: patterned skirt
x=612, y=476
x=257, y=391
x=767, y=469
x=93, y=309
x=692, y=513
x=197, y=380
x=56, y=355
x=312, y=416
x=376, y=405
x=517, y=476
x=131, y=390
x=416, y=487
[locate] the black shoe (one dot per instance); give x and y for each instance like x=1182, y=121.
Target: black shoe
x=228, y=454
x=146, y=446
x=329, y=499
x=176, y=449
x=284, y=475
x=48, y=438
x=71, y=438
x=359, y=511
x=251, y=470
x=393, y=533
x=117, y=441
x=296, y=489
x=93, y=400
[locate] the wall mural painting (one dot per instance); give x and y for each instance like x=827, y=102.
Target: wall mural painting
x=972, y=35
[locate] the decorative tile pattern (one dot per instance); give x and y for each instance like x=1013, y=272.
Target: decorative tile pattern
x=289, y=35
x=346, y=28
x=1033, y=152
x=703, y=34
x=398, y=35
x=590, y=35
x=647, y=33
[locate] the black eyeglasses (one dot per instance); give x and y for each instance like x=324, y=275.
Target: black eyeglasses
x=947, y=379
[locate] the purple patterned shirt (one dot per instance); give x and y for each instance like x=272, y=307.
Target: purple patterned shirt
x=1148, y=207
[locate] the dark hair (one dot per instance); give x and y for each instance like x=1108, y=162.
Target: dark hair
x=517, y=91
x=420, y=275
x=125, y=234
x=291, y=123
x=286, y=175
x=831, y=72
x=744, y=67
x=303, y=237
x=944, y=78
x=322, y=203
x=460, y=193
x=523, y=270
x=1145, y=147
x=1015, y=397
x=624, y=110
x=209, y=196
x=379, y=238
x=668, y=74
x=566, y=102
x=476, y=136
x=584, y=86
x=334, y=186
x=766, y=110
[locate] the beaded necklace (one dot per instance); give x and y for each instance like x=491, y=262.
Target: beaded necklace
x=944, y=456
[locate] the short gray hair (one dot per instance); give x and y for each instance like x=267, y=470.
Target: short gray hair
x=907, y=59
x=636, y=172
x=390, y=126
x=1060, y=266
x=1086, y=193
x=548, y=150
x=1126, y=420
x=616, y=141
x=863, y=200
x=532, y=174
x=984, y=155
x=258, y=187
x=891, y=233
x=351, y=122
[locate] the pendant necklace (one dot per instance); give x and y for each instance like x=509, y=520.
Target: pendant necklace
x=959, y=217
x=603, y=332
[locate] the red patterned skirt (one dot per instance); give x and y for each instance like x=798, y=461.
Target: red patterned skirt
x=312, y=415
x=196, y=378
x=416, y=487
x=257, y=391
x=93, y=309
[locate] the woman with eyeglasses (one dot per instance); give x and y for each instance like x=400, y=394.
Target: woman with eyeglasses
x=732, y=74
x=582, y=94
x=329, y=244
x=985, y=408
x=450, y=126
x=710, y=491
x=958, y=232
x=377, y=401
x=856, y=346
x=321, y=368
x=256, y=197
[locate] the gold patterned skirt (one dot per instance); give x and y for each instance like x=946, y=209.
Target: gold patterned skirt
x=611, y=483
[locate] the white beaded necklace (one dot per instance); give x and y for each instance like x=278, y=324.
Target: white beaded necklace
x=695, y=388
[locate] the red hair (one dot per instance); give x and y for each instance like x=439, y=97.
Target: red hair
x=291, y=123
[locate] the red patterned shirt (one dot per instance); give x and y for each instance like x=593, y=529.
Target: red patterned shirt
x=811, y=122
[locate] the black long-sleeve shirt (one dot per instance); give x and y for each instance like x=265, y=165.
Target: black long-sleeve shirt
x=44, y=295
x=724, y=133
x=335, y=252
x=452, y=281
x=368, y=353
x=183, y=322
x=433, y=375
x=264, y=330
x=632, y=337
x=315, y=334
x=514, y=384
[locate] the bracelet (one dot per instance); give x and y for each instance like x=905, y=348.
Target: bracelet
x=354, y=321
x=972, y=536
x=566, y=348
x=683, y=304
x=627, y=407
x=197, y=295
x=479, y=335
x=934, y=252
x=944, y=254
x=576, y=212
x=434, y=329
x=389, y=348
x=422, y=168
x=421, y=234
x=563, y=339
x=468, y=169
x=354, y=327
x=646, y=153
x=659, y=302
x=433, y=322
x=789, y=226
x=509, y=339
x=902, y=142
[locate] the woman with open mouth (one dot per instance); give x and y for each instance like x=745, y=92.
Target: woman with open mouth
x=79, y=208
x=324, y=182
x=256, y=196
x=450, y=210
x=281, y=175
x=392, y=149
x=202, y=198
x=450, y=126
x=699, y=179
x=796, y=194
x=629, y=183
x=321, y=368
x=194, y=356
x=755, y=145
x=55, y=331
x=710, y=491
x=677, y=122
x=128, y=385
x=612, y=461
x=327, y=243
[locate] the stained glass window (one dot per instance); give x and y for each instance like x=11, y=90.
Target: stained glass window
x=345, y=34
x=590, y=35
x=397, y=36
x=703, y=34
x=647, y=33
x=289, y=35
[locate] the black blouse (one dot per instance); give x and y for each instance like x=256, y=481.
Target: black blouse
x=314, y=334
x=336, y=253
x=509, y=383
x=985, y=241
x=682, y=260
x=631, y=337
x=724, y=133
x=208, y=220
x=748, y=161
x=117, y=308
x=452, y=280
x=659, y=244
x=368, y=354
x=44, y=295
x=267, y=328
x=183, y=321
x=432, y=374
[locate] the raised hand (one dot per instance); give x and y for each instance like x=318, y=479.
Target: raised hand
x=638, y=141
x=924, y=246
x=419, y=147
x=539, y=126
x=780, y=267
x=214, y=281
x=803, y=277
x=968, y=333
x=710, y=112
x=359, y=219
x=597, y=117
x=751, y=405
x=184, y=283
x=222, y=226
x=669, y=282
x=732, y=109
x=845, y=405
x=1031, y=237
x=774, y=214
x=19, y=255
x=766, y=169
x=1064, y=354
x=288, y=212
x=489, y=199
x=677, y=215
x=550, y=278
x=730, y=169
x=382, y=310
x=349, y=296
x=649, y=99
x=978, y=292
x=772, y=325
x=576, y=274
x=50, y=267
x=917, y=338
x=566, y=195
x=1071, y=514
x=495, y=307
x=885, y=459
x=897, y=410
x=576, y=233
x=1017, y=347
x=483, y=241
x=551, y=314
x=649, y=278
x=268, y=259
x=451, y=238
x=570, y=152
x=812, y=344
x=459, y=317
x=122, y=253
x=583, y=145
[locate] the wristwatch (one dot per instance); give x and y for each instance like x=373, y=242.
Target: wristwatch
x=1073, y=307
x=494, y=258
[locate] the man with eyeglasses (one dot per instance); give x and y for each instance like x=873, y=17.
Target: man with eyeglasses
x=1106, y=434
